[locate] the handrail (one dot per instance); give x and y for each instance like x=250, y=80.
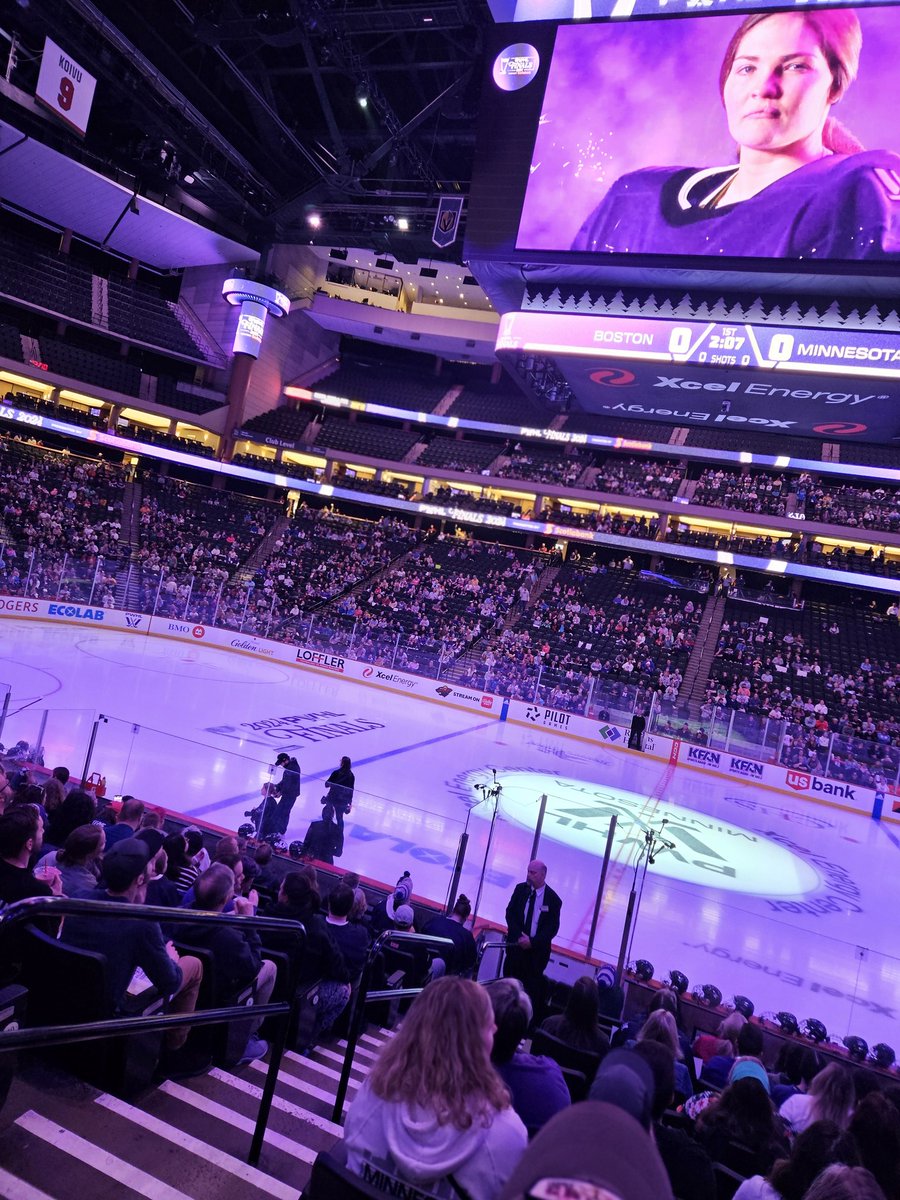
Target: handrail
x=486, y=945
x=364, y=996
x=26, y=911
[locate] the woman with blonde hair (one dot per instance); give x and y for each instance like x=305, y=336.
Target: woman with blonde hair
x=830, y=1098
x=660, y=1027
x=433, y=1112
x=723, y=1042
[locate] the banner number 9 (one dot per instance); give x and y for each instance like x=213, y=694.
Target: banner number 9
x=66, y=93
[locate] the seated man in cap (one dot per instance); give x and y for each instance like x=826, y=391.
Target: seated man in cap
x=129, y=944
x=385, y=911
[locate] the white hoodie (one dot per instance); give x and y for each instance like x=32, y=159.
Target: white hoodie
x=393, y=1140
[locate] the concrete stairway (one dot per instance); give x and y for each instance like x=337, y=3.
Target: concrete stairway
x=696, y=675
x=60, y=1138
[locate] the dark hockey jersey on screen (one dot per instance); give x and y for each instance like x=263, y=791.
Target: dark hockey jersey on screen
x=839, y=207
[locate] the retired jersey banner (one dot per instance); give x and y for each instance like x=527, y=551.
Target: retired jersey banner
x=446, y=223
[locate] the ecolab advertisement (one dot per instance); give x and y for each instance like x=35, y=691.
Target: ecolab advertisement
x=310, y=657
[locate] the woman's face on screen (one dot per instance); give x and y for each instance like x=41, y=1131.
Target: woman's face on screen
x=777, y=94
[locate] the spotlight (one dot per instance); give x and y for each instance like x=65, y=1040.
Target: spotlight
x=643, y=970
x=857, y=1048
x=815, y=1030
x=402, y=224
x=787, y=1022
x=362, y=95
x=314, y=221
x=744, y=1006
x=883, y=1055
x=678, y=982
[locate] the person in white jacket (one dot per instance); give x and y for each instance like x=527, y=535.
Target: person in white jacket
x=433, y=1112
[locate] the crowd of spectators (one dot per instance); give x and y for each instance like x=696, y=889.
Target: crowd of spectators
x=545, y=464
x=829, y=674
x=744, y=491
x=461, y=498
x=592, y=626
x=617, y=523
x=396, y=488
x=654, y=479
x=63, y=535
x=859, y=507
x=60, y=518
x=320, y=555
x=475, y=1082
x=423, y=612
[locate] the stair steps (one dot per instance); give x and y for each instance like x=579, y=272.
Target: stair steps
x=184, y=1140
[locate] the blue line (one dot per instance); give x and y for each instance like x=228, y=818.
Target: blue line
x=204, y=809
x=887, y=833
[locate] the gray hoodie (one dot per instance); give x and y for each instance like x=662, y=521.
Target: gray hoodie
x=393, y=1140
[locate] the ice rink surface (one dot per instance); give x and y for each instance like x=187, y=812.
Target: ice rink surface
x=772, y=896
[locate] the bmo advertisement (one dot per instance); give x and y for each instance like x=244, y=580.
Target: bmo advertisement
x=823, y=383
x=769, y=137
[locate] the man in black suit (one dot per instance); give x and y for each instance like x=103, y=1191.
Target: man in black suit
x=532, y=922
x=636, y=733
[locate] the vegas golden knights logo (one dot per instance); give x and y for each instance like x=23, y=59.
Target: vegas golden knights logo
x=446, y=224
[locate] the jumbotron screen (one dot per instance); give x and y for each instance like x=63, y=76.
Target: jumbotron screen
x=771, y=136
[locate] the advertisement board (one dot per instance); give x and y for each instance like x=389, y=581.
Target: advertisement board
x=838, y=384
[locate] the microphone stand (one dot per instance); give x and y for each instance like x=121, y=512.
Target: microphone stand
x=653, y=843
x=483, y=788
x=491, y=792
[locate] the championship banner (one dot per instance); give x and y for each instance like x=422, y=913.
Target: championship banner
x=446, y=223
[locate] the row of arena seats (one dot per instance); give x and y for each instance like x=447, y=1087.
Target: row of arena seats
x=34, y=271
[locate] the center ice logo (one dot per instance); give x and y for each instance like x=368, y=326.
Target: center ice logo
x=706, y=850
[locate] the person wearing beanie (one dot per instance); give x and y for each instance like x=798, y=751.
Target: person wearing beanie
x=384, y=912
x=592, y=1143
x=626, y=1080
x=749, y=1068
x=287, y=790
